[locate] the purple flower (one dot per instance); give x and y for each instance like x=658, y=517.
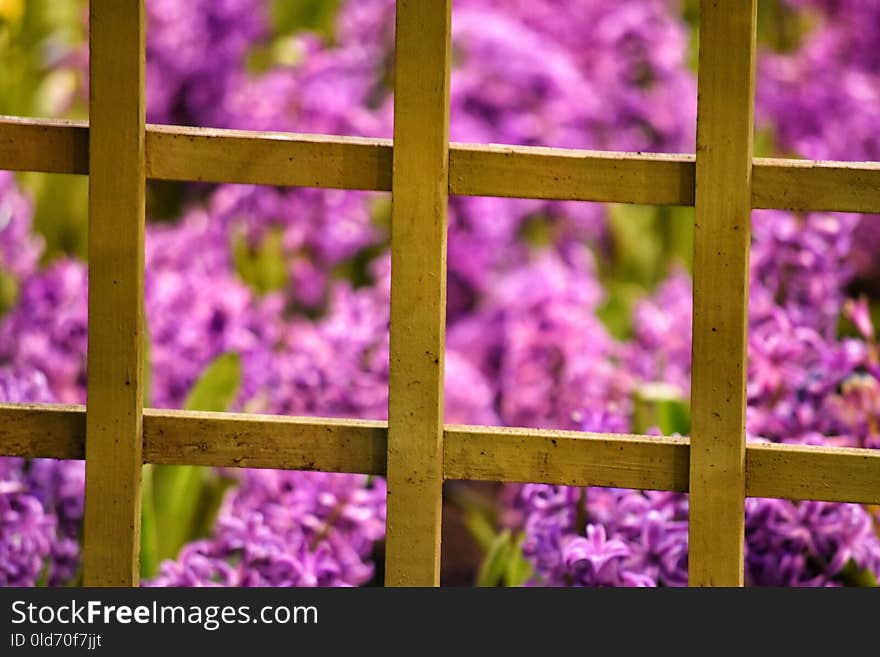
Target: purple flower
x=47, y=329
x=41, y=501
x=595, y=560
x=20, y=247
x=282, y=528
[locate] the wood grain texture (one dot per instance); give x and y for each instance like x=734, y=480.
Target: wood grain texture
x=210, y=439
x=47, y=145
x=571, y=175
x=326, y=161
x=266, y=158
x=264, y=441
x=800, y=472
x=43, y=431
x=111, y=535
x=787, y=184
x=721, y=254
x=418, y=292
x=569, y=458
x=565, y=457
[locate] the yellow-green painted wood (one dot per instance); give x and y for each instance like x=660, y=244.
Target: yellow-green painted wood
x=571, y=175
x=286, y=159
x=44, y=145
x=570, y=458
x=266, y=158
x=721, y=254
x=264, y=441
x=787, y=184
x=111, y=534
x=420, y=186
x=803, y=472
x=43, y=431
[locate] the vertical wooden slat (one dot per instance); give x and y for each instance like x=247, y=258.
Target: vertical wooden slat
x=721, y=257
x=116, y=293
x=420, y=185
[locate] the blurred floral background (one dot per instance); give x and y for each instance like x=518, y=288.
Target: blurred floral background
x=560, y=315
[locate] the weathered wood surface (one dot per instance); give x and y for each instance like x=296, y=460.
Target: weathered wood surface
x=418, y=292
x=725, y=118
x=111, y=533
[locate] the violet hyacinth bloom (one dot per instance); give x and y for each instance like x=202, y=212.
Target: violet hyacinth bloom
x=611, y=76
x=287, y=529
x=525, y=347
x=197, y=309
x=20, y=247
x=537, y=339
x=807, y=543
x=822, y=100
x=661, y=349
x=594, y=560
x=195, y=50
x=41, y=501
x=47, y=329
x=796, y=368
x=26, y=534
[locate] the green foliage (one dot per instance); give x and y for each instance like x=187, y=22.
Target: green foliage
x=663, y=406
x=8, y=292
x=644, y=241
x=263, y=268
x=315, y=15
x=852, y=575
x=504, y=564
x=180, y=502
x=218, y=385
x=34, y=35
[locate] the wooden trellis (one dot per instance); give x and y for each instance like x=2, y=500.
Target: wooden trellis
x=414, y=449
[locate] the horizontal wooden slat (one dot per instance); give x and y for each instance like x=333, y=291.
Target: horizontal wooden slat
x=267, y=158
x=799, y=472
x=834, y=474
x=264, y=441
x=565, y=457
x=208, y=155
x=210, y=439
x=811, y=185
x=49, y=146
x=43, y=431
x=571, y=175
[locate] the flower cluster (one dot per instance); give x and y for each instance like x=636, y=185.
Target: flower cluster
x=524, y=344
x=20, y=247
x=287, y=529
x=822, y=100
x=41, y=501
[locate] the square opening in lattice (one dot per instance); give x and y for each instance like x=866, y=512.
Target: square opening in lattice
x=572, y=316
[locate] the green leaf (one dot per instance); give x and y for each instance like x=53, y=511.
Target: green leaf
x=495, y=563
x=149, y=530
x=8, y=292
x=186, y=500
x=216, y=388
x=645, y=241
x=674, y=417
x=663, y=406
x=315, y=15
x=518, y=570
x=263, y=268
x=480, y=528
x=852, y=575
